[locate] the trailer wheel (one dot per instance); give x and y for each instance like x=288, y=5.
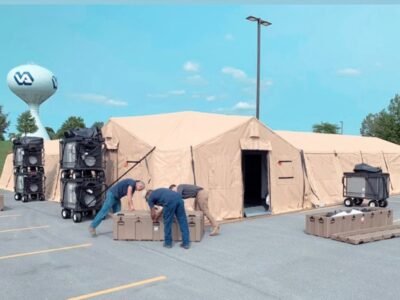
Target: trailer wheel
x=77, y=217
x=358, y=201
x=373, y=203
x=383, y=203
x=348, y=202
x=65, y=213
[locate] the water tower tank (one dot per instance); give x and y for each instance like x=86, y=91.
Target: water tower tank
x=33, y=84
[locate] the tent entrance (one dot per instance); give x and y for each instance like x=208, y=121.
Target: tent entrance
x=255, y=183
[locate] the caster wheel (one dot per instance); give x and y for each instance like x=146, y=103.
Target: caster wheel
x=358, y=201
x=373, y=203
x=63, y=174
x=17, y=197
x=383, y=203
x=65, y=213
x=348, y=202
x=42, y=198
x=77, y=217
x=24, y=198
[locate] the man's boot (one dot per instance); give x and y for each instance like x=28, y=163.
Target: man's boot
x=215, y=231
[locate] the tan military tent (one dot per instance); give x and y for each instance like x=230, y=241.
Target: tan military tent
x=328, y=156
x=215, y=144
x=234, y=157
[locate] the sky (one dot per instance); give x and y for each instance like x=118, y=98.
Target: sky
x=319, y=63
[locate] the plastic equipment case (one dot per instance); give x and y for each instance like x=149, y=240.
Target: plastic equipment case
x=1, y=202
x=81, y=197
x=138, y=226
x=366, y=182
x=29, y=186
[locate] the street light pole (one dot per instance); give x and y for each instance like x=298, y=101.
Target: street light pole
x=259, y=23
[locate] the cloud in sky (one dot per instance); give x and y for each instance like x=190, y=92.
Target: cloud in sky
x=196, y=80
x=349, y=72
x=235, y=73
x=241, y=76
x=100, y=99
x=211, y=98
x=177, y=92
x=191, y=66
x=241, y=105
x=229, y=37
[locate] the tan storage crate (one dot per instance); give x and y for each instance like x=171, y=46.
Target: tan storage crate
x=325, y=225
x=138, y=226
x=196, y=226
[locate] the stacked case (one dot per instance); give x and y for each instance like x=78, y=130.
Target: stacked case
x=82, y=173
x=29, y=179
x=1, y=202
x=138, y=226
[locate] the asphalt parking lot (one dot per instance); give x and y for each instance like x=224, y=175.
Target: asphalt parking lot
x=45, y=257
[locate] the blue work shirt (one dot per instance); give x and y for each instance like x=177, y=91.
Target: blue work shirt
x=120, y=189
x=162, y=196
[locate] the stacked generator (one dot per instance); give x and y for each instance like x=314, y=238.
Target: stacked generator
x=82, y=173
x=29, y=179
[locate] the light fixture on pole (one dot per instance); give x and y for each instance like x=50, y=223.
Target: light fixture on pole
x=259, y=23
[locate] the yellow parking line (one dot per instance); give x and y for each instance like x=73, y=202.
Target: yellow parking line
x=9, y=216
x=119, y=288
x=23, y=229
x=44, y=251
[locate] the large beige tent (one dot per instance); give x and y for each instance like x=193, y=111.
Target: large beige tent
x=236, y=158
x=328, y=156
x=215, y=144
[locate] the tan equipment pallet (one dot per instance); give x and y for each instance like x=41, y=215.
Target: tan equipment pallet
x=368, y=235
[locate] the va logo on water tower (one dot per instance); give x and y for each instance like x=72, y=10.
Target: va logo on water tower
x=23, y=79
x=55, y=83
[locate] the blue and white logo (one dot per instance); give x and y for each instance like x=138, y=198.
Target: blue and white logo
x=23, y=79
x=55, y=83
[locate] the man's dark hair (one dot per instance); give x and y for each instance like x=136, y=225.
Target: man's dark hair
x=172, y=186
x=148, y=193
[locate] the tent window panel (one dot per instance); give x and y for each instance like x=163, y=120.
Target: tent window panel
x=285, y=171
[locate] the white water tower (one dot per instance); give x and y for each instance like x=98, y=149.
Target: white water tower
x=33, y=84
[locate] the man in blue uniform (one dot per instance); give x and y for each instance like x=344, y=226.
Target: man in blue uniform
x=173, y=205
x=123, y=188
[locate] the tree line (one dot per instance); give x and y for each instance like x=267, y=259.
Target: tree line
x=384, y=124
x=26, y=124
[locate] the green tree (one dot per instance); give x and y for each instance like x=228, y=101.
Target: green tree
x=4, y=123
x=98, y=124
x=70, y=123
x=51, y=133
x=325, y=127
x=26, y=123
x=384, y=124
